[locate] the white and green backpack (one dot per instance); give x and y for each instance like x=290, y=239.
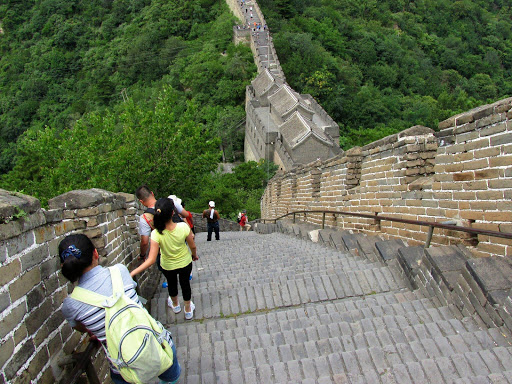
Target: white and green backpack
x=135, y=341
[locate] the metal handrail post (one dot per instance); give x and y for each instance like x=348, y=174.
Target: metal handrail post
x=429, y=236
x=323, y=220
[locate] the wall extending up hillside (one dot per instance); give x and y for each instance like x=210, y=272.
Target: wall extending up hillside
x=33, y=332
x=462, y=173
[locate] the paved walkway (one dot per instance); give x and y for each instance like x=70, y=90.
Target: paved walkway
x=276, y=309
x=261, y=37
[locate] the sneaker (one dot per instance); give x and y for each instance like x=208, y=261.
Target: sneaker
x=175, y=309
x=190, y=315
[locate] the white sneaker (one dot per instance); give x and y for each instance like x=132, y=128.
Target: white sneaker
x=175, y=309
x=190, y=315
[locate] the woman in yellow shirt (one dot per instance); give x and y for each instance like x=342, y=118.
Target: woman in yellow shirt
x=169, y=237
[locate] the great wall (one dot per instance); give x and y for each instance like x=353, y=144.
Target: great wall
x=461, y=173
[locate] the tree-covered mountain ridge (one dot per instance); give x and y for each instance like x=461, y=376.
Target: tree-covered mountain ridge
x=111, y=94
x=379, y=67
x=114, y=94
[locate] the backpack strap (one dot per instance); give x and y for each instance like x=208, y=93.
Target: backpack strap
x=117, y=281
x=95, y=299
x=89, y=297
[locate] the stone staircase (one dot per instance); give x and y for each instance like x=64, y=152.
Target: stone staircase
x=277, y=308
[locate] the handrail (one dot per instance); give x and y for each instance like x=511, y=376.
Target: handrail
x=376, y=217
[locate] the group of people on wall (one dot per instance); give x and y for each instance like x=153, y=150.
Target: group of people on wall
x=167, y=239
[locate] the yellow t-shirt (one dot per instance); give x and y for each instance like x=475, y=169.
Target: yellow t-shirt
x=173, y=248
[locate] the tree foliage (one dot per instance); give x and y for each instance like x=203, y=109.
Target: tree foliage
x=379, y=67
x=112, y=95
x=233, y=192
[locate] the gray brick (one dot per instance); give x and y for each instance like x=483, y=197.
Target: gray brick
x=193, y=379
x=272, y=354
x=498, y=378
x=350, y=361
x=294, y=292
x=286, y=353
x=222, y=376
x=444, y=346
x=308, y=368
x=405, y=352
x=280, y=374
x=401, y=374
x=430, y=348
x=336, y=363
x=505, y=357
x=447, y=369
x=461, y=364
x=250, y=376
x=194, y=360
x=358, y=291
x=264, y=373
x=491, y=361
x=348, y=343
x=477, y=364
x=416, y=372
x=311, y=289
x=431, y=371
x=360, y=341
x=208, y=378
x=302, y=291
x=458, y=343
x=206, y=363
x=235, y=375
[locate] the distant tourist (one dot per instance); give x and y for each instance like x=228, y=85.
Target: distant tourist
x=244, y=221
x=212, y=217
x=171, y=239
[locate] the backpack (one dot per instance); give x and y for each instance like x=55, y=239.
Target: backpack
x=149, y=215
x=136, y=343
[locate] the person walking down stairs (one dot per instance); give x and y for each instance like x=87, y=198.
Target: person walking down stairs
x=172, y=239
x=212, y=217
x=244, y=221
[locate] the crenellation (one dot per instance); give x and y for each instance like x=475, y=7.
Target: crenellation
x=462, y=173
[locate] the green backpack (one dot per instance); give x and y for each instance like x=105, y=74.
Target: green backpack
x=136, y=342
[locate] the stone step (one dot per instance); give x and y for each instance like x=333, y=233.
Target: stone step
x=335, y=355
x=296, y=264
x=374, y=367
x=354, y=328
x=214, y=301
x=283, y=336
x=370, y=279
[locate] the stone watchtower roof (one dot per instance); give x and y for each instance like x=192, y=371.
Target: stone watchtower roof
x=297, y=129
x=264, y=82
x=284, y=101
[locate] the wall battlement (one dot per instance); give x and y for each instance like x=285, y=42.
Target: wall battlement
x=462, y=173
x=33, y=332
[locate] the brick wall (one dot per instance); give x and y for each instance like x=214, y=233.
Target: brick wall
x=33, y=332
x=462, y=173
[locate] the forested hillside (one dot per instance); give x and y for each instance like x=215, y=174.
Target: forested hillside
x=380, y=66
x=111, y=94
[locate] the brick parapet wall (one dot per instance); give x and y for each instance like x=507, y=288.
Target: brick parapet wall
x=33, y=332
x=234, y=6
x=462, y=173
